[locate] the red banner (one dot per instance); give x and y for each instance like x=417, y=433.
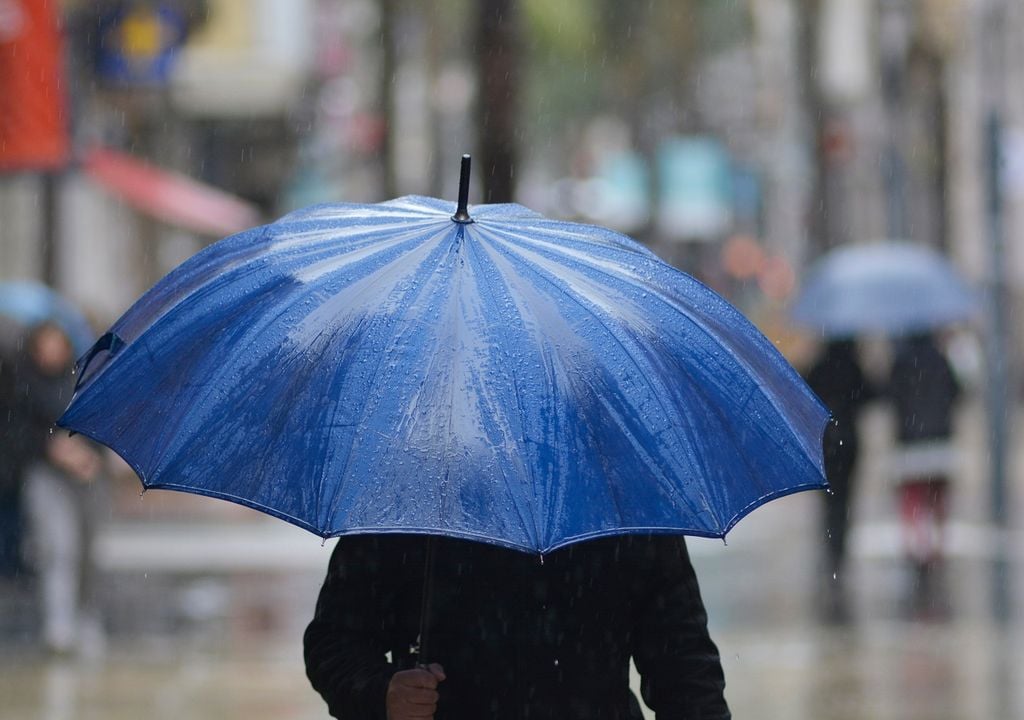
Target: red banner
x=169, y=196
x=33, y=125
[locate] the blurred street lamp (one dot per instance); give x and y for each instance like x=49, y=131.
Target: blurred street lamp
x=1000, y=392
x=894, y=37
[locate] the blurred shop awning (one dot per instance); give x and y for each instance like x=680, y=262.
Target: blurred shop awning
x=169, y=196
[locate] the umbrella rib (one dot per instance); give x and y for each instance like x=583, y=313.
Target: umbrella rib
x=658, y=390
x=452, y=303
x=201, y=274
x=339, y=264
x=222, y=370
x=663, y=481
x=519, y=402
x=696, y=321
x=360, y=425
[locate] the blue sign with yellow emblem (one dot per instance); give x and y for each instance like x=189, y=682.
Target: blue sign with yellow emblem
x=138, y=43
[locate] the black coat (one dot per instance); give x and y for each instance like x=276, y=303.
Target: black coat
x=518, y=638
x=837, y=379
x=31, y=401
x=924, y=390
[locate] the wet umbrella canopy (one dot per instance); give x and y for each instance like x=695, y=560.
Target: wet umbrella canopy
x=483, y=373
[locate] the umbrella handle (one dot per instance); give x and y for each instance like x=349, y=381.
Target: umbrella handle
x=425, y=602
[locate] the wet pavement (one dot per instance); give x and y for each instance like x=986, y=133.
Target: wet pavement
x=205, y=622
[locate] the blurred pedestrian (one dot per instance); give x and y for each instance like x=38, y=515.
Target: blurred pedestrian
x=924, y=391
x=59, y=499
x=839, y=381
x=514, y=636
x=12, y=455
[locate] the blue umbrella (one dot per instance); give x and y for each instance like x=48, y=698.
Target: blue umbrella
x=30, y=303
x=885, y=287
x=502, y=377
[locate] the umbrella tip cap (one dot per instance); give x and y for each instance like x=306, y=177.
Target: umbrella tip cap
x=462, y=211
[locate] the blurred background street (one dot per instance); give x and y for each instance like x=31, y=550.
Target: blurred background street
x=741, y=140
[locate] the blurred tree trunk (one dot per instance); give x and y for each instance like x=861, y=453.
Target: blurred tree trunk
x=386, y=95
x=499, y=63
x=434, y=53
x=823, y=218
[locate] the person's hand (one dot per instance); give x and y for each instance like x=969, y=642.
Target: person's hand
x=413, y=693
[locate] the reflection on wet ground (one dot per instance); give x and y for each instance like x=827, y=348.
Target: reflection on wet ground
x=893, y=671
x=889, y=670
x=896, y=654
x=198, y=648
x=133, y=683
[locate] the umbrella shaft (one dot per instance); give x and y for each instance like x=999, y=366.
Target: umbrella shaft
x=425, y=603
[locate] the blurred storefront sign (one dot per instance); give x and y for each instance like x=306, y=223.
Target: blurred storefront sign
x=139, y=42
x=250, y=59
x=695, y=189
x=170, y=197
x=33, y=126
x=618, y=195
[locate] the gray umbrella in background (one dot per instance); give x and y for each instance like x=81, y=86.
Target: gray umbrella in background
x=891, y=288
x=25, y=303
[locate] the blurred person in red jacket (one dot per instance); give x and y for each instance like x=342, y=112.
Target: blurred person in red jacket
x=924, y=391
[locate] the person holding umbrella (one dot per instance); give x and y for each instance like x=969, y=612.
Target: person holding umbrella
x=905, y=291
x=514, y=635
x=541, y=407
x=25, y=305
x=60, y=475
x=924, y=391
x=838, y=379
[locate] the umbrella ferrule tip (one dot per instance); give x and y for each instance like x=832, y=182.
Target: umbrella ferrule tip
x=462, y=211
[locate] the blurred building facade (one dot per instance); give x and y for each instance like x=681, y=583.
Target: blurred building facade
x=740, y=140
